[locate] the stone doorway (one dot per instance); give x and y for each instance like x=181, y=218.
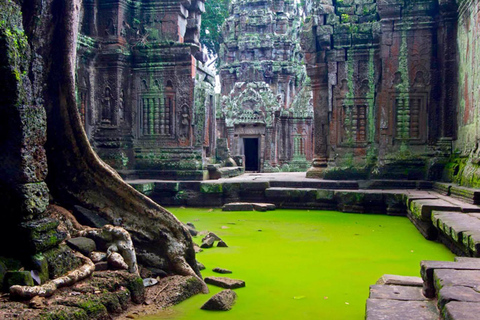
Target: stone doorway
x=250, y=149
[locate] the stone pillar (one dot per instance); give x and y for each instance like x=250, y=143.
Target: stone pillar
x=321, y=129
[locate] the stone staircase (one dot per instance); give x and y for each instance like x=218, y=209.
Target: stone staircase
x=447, y=290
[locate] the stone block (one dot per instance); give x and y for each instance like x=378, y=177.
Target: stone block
x=222, y=301
x=457, y=310
x=422, y=209
x=226, y=283
x=263, y=207
x=21, y=278
x=208, y=187
x=83, y=245
x=457, y=293
x=380, y=309
x=145, y=188
x=452, y=277
x=61, y=260
x=390, y=279
x=291, y=194
x=167, y=186
x=88, y=217
x=427, y=269
x=40, y=264
x=392, y=292
x=238, y=206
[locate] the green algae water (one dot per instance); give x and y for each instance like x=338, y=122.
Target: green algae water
x=300, y=264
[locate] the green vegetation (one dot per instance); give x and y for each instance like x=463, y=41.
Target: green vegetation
x=216, y=12
x=301, y=264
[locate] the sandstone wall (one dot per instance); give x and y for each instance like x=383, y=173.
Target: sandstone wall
x=464, y=167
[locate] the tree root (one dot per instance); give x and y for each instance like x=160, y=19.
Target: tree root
x=118, y=240
x=49, y=288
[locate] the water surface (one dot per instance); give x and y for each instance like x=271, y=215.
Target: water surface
x=300, y=264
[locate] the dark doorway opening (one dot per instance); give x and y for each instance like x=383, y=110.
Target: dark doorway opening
x=251, y=154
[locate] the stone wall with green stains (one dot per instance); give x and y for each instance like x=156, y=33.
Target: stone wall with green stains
x=464, y=167
x=380, y=108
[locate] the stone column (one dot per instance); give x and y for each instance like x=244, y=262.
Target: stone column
x=321, y=128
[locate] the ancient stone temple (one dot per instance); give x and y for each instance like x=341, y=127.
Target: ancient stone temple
x=145, y=97
x=266, y=110
x=383, y=76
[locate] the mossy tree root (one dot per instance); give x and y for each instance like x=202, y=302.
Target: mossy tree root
x=49, y=288
x=118, y=240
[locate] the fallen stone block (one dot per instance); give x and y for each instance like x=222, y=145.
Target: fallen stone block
x=226, y=283
x=221, y=270
x=222, y=244
x=83, y=245
x=263, y=207
x=222, y=301
x=207, y=243
x=238, y=206
x=390, y=279
x=89, y=217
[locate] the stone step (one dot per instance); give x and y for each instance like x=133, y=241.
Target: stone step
x=315, y=184
x=462, y=229
x=428, y=269
x=469, y=195
x=247, y=206
x=459, y=310
x=384, y=309
x=465, y=207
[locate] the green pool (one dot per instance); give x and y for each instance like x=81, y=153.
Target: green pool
x=300, y=264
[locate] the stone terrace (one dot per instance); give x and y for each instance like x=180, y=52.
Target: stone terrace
x=442, y=212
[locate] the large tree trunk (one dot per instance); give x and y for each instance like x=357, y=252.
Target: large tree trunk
x=76, y=175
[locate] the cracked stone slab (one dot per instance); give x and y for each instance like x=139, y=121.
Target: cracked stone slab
x=457, y=310
x=380, y=309
x=391, y=292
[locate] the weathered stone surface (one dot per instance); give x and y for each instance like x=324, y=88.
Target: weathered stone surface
x=238, y=206
x=207, y=243
x=89, y=217
x=222, y=244
x=222, y=301
x=153, y=115
x=457, y=293
x=450, y=277
x=457, y=310
x=263, y=206
x=428, y=269
x=393, y=292
x=22, y=278
x=380, y=309
x=267, y=103
x=390, y=279
x=40, y=265
x=226, y=283
x=221, y=270
x=84, y=245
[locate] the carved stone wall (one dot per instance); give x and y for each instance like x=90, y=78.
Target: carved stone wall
x=138, y=66
x=381, y=108
x=265, y=91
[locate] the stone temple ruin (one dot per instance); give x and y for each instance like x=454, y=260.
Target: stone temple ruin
x=266, y=112
x=144, y=95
